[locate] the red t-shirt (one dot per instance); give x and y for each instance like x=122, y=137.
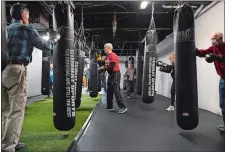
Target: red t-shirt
x=112, y=57
x=218, y=50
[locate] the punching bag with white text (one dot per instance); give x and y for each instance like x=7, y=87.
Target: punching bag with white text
x=80, y=61
x=149, y=70
x=45, y=73
x=64, y=69
x=185, y=68
x=93, y=85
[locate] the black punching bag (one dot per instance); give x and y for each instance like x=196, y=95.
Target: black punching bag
x=149, y=70
x=80, y=61
x=64, y=69
x=185, y=68
x=99, y=81
x=45, y=73
x=93, y=73
x=139, y=69
x=4, y=51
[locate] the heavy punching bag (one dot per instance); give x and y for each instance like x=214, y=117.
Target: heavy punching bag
x=80, y=62
x=149, y=70
x=93, y=73
x=64, y=69
x=45, y=73
x=46, y=60
x=4, y=51
x=139, y=70
x=185, y=68
x=99, y=81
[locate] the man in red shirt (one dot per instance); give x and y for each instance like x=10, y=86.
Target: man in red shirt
x=111, y=65
x=216, y=54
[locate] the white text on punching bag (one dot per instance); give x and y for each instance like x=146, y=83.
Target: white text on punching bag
x=70, y=82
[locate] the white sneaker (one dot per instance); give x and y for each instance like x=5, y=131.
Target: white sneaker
x=102, y=91
x=170, y=108
x=121, y=111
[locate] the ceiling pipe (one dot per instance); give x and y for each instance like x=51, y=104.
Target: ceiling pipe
x=104, y=13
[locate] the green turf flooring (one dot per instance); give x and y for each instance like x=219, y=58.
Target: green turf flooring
x=39, y=133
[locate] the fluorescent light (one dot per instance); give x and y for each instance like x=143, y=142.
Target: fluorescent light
x=45, y=37
x=170, y=6
x=144, y=4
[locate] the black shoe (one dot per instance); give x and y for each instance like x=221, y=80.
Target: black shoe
x=110, y=110
x=20, y=146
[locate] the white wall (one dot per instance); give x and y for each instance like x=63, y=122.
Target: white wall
x=205, y=25
x=34, y=74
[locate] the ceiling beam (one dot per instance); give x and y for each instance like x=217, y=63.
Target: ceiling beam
x=198, y=10
x=208, y=7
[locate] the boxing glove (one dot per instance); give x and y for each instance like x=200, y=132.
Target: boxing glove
x=98, y=57
x=159, y=63
x=212, y=57
x=53, y=36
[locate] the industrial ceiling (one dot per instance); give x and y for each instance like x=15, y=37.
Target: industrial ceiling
x=132, y=22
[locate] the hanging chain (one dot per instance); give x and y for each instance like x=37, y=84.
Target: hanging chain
x=152, y=22
x=82, y=21
x=81, y=30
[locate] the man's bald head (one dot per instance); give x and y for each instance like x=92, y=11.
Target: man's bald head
x=217, y=38
x=217, y=35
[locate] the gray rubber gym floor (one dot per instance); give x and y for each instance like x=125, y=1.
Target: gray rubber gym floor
x=149, y=128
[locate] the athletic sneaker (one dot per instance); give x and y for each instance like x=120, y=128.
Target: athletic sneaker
x=20, y=146
x=121, y=111
x=170, y=108
x=129, y=97
x=221, y=127
x=110, y=110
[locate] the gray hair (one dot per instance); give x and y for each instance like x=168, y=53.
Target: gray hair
x=109, y=45
x=219, y=34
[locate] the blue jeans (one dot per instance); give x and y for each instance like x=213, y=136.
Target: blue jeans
x=222, y=97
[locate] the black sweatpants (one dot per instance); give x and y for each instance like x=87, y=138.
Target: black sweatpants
x=113, y=83
x=172, y=91
x=129, y=87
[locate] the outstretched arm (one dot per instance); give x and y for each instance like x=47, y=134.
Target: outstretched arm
x=203, y=52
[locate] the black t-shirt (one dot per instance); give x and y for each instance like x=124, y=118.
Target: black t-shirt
x=173, y=72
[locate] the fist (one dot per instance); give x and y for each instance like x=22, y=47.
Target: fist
x=159, y=63
x=210, y=57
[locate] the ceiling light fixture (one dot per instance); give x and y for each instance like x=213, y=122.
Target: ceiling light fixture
x=144, y=4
